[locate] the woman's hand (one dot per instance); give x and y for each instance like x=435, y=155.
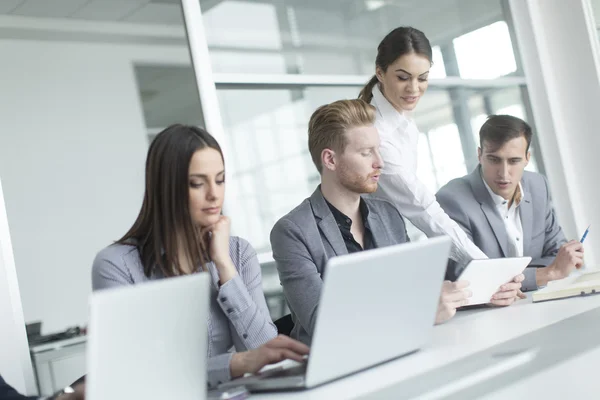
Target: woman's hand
x=275, y=350
x=217, y=243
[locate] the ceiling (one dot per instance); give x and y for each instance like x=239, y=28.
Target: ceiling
x=169, y=11
x=164, y=12
x=161, y=87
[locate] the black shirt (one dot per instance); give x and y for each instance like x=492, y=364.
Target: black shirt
x=345, y=223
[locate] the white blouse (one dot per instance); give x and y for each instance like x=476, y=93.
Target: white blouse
x=399, y=183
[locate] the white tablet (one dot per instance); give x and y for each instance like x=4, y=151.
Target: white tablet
x=486, y=276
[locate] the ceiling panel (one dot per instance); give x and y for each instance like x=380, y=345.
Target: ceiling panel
x=109, y=10
x=157, y=14
x=49, y=9
x=8, y=5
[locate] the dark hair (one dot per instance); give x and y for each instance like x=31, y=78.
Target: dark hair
x=499, y=129
x=164, y=222
x=400, y=41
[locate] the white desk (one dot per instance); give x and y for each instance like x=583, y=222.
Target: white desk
x=468, y=333
x=575, y=378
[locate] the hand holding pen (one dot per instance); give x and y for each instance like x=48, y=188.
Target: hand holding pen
x=585, y=234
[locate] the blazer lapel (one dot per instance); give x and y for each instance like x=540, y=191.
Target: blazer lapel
x=381, y=237
x=526, y=211
x=489, y=209
x=326, y=223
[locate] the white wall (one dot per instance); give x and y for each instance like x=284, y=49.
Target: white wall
x=15, y=365
x=72, y=152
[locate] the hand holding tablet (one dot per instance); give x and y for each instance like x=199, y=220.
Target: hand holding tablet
x=486, y=276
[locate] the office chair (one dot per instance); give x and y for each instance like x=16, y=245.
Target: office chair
x=285, y=325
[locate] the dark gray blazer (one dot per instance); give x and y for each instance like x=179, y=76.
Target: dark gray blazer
x=467, y=201
x=306, y=238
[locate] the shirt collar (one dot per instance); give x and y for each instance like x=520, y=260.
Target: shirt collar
x=499, y=200
x=386, y=109
x=343, y=220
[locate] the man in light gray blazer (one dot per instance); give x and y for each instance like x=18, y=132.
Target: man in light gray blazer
x=336, y=220
x=507, y=211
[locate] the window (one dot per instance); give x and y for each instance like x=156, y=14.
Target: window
x=330, y=37
x=272, y=170
x=485, y=53
x=272, y=61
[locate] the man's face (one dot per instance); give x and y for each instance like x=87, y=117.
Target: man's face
x=503, y=168
x=358, y=167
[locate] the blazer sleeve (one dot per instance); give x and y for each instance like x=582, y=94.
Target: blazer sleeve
x=554, y=236
x=243, y=301
x=453, y=208
x=451, y=205
x=301, y=281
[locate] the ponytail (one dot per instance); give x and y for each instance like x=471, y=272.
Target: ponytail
x=366, y=94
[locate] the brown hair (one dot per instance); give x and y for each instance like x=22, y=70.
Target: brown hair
x=400, y=41
x=499, y=129
x=328, y=125
x=164, y=222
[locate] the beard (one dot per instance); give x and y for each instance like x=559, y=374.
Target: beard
x=355, y=182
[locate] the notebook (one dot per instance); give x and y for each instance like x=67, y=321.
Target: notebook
x=578, y=285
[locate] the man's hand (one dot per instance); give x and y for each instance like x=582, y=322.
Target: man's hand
x=275, y=350
x=453, y=296
x=569, y=257
x=509, y=292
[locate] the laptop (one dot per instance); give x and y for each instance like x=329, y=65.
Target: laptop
x=149, y=341
x=375, y=306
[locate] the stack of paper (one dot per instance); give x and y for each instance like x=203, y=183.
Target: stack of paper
x=577, y=285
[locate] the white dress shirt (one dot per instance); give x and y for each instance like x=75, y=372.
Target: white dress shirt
x=399, y=183
x=512, y=220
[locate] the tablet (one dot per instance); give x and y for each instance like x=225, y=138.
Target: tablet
x=486, y=276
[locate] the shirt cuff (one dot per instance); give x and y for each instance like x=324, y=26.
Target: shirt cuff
x=219, y=369
x=233, y=297
x=530, y=282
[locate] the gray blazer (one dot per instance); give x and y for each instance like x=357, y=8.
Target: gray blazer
x=306, y=238
x=467, y=201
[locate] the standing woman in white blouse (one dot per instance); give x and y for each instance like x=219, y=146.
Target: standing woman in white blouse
x=404, y=58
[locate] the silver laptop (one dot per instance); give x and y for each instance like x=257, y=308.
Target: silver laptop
x=148, y=341
x=375, y=306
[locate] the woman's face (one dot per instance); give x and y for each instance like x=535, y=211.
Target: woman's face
x=405, y=81
x=206, y=177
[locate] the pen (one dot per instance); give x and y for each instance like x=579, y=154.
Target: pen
x=585, y=234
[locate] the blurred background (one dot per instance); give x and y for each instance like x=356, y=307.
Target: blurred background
x=85, y=85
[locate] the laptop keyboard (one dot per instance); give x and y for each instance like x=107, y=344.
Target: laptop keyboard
x=284, y=372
